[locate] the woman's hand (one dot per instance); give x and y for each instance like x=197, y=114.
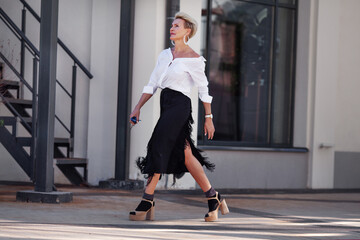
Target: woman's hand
x=209, y=128
x=135, y=113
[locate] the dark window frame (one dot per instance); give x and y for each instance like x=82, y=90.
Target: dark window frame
x=203, y=142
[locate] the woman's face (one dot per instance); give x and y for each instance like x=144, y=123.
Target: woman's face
x=177, y=31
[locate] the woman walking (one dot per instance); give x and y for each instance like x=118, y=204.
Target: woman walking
x=170, y=149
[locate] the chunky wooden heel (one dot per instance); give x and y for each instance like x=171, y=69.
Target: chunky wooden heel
x=142, y=215
x=150, y=215
x=224, y=208
x=215, y=204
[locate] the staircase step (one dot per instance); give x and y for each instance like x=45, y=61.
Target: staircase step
x=10, y=83
x=71, y=161
x=26, y=141
x=62, y=142
x=26, y=119
x=8, y=120
x=22, y=102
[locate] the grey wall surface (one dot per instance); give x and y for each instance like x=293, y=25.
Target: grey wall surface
x=254, y=169
x=347, y=170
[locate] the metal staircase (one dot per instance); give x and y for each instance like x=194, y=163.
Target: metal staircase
x=24, y=111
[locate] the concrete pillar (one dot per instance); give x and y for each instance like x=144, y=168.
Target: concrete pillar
x=324, y=91
x=104, y=65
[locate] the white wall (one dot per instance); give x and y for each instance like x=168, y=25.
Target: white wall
x=333, y=83
x=256, y=169
x=324, y=101
x=348, y=98
x=347, y=134
x=326, y=63
x=105, y=33
x=76, y=14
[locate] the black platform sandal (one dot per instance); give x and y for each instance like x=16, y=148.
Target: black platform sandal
x=144, y=211
x=214, y=204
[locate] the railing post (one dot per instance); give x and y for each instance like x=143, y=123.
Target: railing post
x=34, y=119
x=73, y=103
x=22, y=53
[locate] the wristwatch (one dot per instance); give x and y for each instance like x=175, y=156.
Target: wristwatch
x=209, y=116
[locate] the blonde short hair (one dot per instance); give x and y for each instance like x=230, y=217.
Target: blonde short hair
x=190, y=22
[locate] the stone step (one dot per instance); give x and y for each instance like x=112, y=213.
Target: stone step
x=22, y=102
x=71, y=161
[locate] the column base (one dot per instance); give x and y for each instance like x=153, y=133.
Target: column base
x=122, y=184
x=44, y=197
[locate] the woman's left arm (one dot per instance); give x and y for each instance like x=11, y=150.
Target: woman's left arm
x=197, y=72
x=209, y=128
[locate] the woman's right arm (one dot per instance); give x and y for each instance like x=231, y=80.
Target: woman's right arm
x=148, y=90
x=136, y=112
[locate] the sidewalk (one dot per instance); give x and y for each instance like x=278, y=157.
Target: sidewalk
x=103, y=214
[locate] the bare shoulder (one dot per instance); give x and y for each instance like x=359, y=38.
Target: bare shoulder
x=188, y=53
x=193, y=54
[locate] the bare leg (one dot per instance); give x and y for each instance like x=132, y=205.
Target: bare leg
x=145, y=209
x=196, y=170
x=150, y=188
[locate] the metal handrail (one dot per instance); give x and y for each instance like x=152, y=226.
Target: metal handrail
x=66, y=49
x=16, y=72
x=18, y=31
x=16, y=34
x=63, y=88
x=62, y=124
x=35, y=52
x=12, y=26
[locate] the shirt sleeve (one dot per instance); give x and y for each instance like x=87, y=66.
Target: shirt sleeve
x=152, y=86
x=197, y=73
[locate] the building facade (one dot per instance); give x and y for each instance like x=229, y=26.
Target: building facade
x=283, y=74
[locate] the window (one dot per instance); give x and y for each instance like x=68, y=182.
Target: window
x=250, y=50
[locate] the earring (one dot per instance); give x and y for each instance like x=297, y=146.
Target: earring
x=172, y=42
x=186, y=43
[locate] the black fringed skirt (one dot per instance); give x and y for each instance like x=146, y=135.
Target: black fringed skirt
x=165, y=150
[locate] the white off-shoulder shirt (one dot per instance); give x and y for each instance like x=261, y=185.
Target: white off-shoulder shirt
x=179, y=74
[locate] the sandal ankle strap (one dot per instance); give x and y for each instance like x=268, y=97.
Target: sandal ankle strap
x=146, y=200
x=216, y=197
